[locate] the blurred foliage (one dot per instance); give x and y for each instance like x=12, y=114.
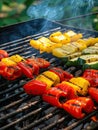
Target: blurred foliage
x=14, y=11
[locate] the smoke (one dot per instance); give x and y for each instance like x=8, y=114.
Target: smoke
x=81, y=6
x=60, y=9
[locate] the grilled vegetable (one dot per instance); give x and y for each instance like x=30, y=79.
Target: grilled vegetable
x=83, y=59
x=42, y=63
x=79, y=107
x=68, y=49
x=71, y=56
x=91, y=41
x=8, y=61
x=63, y=75
x=26, y=69
x=68, y=90
x=59, y=52
x=90, y=50
x=35, y=87
x=92, y=65
x=33, y=65
x=93, y=92
x=96, y=44
x=80, y=45
x=59, y=37
x=73, y=36
x=3, y=54
x=92, y=76
x=54, y=96
x=44, y=44
x=50, y=78
x=82, y=83
x=10, y=72
x=16, y=58
x=78, y=89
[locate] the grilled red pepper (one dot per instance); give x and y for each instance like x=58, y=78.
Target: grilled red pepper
x=26, y=69
x=93, y=92
x=11, y=72
x=64, y=75
x=35, y=87
x=42, y=63
x=33, y=65
x=3, y=67
x=68, y=90
x=3, y=54
x=92, y=76
x=79, y=107
x=54, y=96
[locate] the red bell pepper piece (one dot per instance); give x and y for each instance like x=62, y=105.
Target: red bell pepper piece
x=26, y=69
x=35, y=87
x=64, y=75
x=11, y=72
x=93, y=92
x=3, y=54
x=2, y=67
x=79, y=107
x=67, y=89
x=92, y=76
x=34, y=66
x=42, y=63
x=54, y=96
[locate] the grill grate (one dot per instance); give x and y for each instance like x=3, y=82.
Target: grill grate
x=21, y=111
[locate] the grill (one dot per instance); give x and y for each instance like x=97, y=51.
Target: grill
x=19, y=111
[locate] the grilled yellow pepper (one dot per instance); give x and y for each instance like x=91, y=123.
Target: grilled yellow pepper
x=91, y=41
x=50, y=78
x=59, y=37
x=44, y=44
x=82, y=83
x=8, y=61
x=73, y=36
x=16, y=58
x=79, y=84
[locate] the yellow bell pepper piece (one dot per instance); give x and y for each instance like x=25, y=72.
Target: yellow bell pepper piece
x=81, y=82
x=58, y=37
x=16, y=58
x=80, y=89
x=8, y=61
x=73, y=36
x=44, y=44
x=52, y=76
x=91, y=41
x=35, y=43
x=45, y=80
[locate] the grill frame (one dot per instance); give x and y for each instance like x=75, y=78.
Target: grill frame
x=18, y=96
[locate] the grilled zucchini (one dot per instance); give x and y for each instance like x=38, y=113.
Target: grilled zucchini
x=90, y=50
x=92, y=65
x=83, y=59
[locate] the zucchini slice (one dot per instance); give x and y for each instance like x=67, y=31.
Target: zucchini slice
x=71, y=56
x=92, y=65
x=82, y=60
x=90, y=50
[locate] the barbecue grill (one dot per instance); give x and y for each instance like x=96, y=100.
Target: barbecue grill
x=19, y=111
